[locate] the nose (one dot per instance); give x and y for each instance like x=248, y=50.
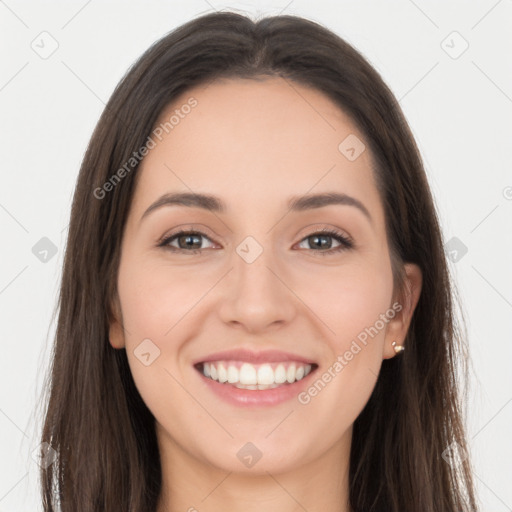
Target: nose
x=256, y=296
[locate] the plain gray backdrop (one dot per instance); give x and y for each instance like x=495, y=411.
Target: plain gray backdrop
x=449, y=64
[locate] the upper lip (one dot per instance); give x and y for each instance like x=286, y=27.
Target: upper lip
x=249, y=356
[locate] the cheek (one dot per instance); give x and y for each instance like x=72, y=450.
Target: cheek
x=349, y=299
x=359, y=316
x=158, y=303
x=155, y=300
x=359, y=311
x=156, y=296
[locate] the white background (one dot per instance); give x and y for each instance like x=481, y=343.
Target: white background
x=460, y=111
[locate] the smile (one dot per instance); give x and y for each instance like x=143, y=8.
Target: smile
x=245, y=375
x=245, y=384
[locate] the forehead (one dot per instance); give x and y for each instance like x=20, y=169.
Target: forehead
x=253, y=140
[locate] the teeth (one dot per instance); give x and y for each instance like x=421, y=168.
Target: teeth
x=290, y=374
x=256, y=386
x=232, y=374
x=222, y=373
x=246, y=386
x=265, y=374
x=280, y=374
x=248, y=376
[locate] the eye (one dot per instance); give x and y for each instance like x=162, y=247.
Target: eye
x=191, y=241
x=188, y=241
x=318, y=239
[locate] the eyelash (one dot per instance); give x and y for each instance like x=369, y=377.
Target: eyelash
x=345, y=242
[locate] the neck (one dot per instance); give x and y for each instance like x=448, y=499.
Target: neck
x=192, y=485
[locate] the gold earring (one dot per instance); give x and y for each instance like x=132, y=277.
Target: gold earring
x=398, y=348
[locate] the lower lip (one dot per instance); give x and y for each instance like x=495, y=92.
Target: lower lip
x=257, y=397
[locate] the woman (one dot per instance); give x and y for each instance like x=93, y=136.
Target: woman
x=256, y=311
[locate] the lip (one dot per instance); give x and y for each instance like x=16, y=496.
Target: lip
x=256, y=397
x=259, y=357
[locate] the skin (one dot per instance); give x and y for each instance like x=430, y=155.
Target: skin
x=254, y=144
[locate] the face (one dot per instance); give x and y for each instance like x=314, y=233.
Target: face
x=300, y=292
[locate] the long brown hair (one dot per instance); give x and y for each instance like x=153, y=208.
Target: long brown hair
x=103, y=433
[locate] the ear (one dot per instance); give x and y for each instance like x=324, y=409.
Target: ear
x=116, y=329
x=405, y=306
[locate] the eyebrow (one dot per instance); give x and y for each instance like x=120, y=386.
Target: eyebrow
x=295, y=203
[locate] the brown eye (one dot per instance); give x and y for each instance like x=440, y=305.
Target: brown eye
x=323, y=240
x=187, y=241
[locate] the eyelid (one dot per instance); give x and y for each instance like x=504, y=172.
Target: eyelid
x=325, y=228
x=186, y=228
